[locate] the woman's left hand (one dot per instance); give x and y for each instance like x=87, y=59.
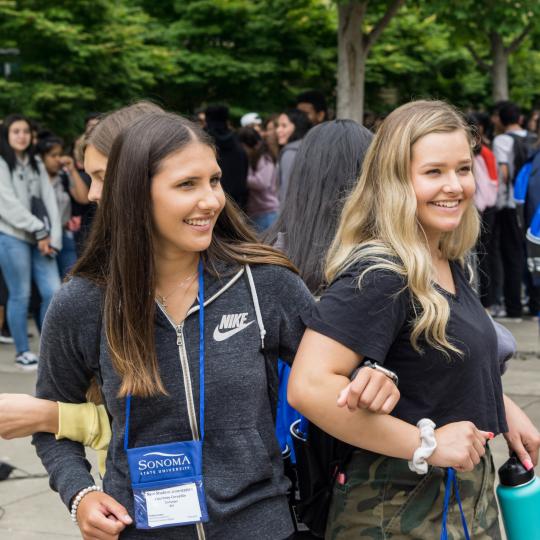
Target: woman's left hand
x=67, y=162
x=371, y=390
x=522, y=437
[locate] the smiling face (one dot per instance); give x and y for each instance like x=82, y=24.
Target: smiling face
x=19, y=136
x=95, y=164
x=284, y=130
x=442, y=178
x=187, y=198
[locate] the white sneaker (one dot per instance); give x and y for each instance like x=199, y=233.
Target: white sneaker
x=6, y=339
x=27, y=361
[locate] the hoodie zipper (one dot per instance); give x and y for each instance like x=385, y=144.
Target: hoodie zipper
x=186, y=374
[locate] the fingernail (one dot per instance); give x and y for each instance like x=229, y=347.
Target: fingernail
x=528, y=464
x=127, y=519
x=491, y=435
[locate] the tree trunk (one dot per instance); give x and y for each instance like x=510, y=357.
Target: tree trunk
x=499, y=68
x=351, y=61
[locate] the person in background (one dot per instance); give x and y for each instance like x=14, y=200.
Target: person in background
x=200, y=116
x=5, y=334
x=30, y=231
x=87, y=212
x=91, y=120
x=70, y=190
x=269, y=135
x=325, y=170
x=252, y=120
x=232, y=157
x=263, y=203
x=507, y=146
x=485, y=164
x=293, y=124
x=313, y=103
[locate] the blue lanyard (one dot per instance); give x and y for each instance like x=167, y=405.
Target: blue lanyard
x=201, y=364
x=451, y=480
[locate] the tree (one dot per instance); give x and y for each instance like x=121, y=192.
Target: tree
x=78, y=56
x=354, y=45
x=417, y=58
x=252, y=54
x=491, y=31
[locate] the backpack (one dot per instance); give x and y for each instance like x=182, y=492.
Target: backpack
x=485, y=195
x=533, y=248
x=312, y=459
x=522, y=150
x=527, y=190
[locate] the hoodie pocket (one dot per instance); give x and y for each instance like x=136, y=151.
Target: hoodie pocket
x=237, y=465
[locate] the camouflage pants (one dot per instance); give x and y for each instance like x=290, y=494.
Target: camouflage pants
x=383, y=500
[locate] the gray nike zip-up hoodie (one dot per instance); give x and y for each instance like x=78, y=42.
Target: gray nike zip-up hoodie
x=243, y=471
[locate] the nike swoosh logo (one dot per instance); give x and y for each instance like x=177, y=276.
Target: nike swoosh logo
x=222, y=336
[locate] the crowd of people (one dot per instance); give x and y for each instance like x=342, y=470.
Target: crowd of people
x=201, y=270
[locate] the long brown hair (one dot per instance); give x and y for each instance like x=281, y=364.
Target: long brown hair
x=120, y=255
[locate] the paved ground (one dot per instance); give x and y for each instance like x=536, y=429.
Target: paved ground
x=31, y=511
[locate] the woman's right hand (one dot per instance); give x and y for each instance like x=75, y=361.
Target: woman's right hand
x=44, y=247
x=100, y=517
x=460, y=445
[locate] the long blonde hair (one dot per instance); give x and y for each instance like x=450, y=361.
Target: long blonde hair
x=379, y=224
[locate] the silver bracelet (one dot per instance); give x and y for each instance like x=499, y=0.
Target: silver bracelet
x=373, y=365
x=78, y=498
x=427, y=447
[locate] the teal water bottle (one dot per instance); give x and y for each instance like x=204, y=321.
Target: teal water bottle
x=519, y=499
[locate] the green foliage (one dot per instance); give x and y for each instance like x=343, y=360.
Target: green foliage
x=78, y=56
x=417, y=57
x=255, y=55
x=476, y=25
x=473, y=20
x=525, y=72
x=84, y=55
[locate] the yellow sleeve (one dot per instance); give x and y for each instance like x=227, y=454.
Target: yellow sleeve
x=86, y=423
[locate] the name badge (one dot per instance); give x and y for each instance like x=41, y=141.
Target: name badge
x=167, y=484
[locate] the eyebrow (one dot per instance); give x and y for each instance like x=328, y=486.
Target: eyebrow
x=468, y=160
x=213, y=175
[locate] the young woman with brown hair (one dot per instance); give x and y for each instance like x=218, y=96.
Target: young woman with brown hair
x=164, y=229
x=166, y=244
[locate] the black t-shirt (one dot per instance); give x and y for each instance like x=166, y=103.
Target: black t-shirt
x=375, y=322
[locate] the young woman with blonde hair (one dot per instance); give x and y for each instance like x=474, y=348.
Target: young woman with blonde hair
x=399, y=296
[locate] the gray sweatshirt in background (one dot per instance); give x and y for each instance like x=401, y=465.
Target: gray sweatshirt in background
x=243, y=470
x=16, y=191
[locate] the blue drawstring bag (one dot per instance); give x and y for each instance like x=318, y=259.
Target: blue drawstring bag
x=521, y=187
x=533, y=248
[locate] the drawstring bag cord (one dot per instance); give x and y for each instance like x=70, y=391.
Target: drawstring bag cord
x=451, y=480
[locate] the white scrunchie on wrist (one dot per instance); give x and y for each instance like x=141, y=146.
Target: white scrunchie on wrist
x=423, y=452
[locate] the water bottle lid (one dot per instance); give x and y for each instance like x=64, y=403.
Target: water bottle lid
x=513, y=473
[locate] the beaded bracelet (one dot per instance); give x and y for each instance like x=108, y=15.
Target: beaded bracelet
x=78, y=498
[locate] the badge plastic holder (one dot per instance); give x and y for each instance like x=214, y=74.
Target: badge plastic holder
x=167, y=484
